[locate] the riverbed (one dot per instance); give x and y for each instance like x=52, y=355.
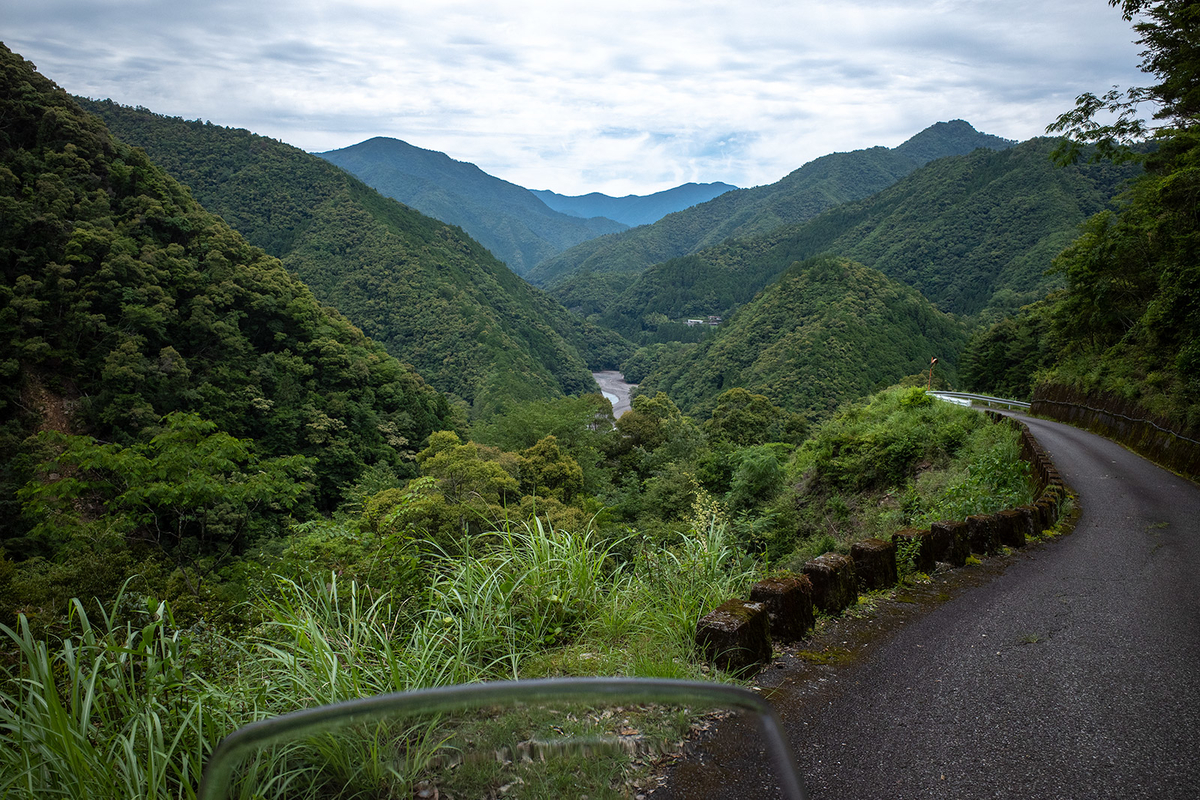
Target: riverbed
x=613, y=384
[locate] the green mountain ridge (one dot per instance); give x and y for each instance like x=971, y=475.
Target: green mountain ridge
x=973, y=233
x=123, y=300
x=425, y=290
x=509, y=220
x=829, y=330
x=588, y=275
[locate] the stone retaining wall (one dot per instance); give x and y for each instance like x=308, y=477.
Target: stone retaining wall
x=1122, y=421
x=737, y=635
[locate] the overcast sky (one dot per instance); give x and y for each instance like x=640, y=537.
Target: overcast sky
x=611, y=95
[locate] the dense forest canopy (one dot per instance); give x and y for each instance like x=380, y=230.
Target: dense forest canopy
x=1128, y=321
x=585, y=277
x=124, y=301
x=828, y=331
x=430, y=294
x=973, y=233
x=510, y=221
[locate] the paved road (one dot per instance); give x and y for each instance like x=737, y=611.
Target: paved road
x=1074, y=674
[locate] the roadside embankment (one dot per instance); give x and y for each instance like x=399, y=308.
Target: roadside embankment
x=1123, y=422
x=737, y=636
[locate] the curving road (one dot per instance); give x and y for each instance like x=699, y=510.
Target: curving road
x=1073, y=674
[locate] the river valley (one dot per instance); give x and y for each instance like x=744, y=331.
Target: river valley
x=613, y=384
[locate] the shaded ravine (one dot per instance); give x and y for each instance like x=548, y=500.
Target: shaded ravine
x=1067, y=670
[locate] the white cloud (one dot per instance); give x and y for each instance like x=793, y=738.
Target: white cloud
x=627, y=97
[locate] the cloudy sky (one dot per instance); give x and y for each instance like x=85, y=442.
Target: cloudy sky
x=616, y=96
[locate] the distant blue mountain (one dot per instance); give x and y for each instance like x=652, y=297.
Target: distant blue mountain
x=634, y=209
x=505, y=218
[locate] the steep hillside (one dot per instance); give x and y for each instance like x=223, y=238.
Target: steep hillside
x=587, y=276
x=972, y=233
x=122, y=300
x=828, y=331
x=634, y=209
x=510, y=221
x=426, y=291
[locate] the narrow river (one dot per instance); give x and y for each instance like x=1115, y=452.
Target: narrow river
x=613, y=384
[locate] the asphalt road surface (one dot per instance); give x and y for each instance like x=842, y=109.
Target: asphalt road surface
x=1070, y=669
x=1073, y=674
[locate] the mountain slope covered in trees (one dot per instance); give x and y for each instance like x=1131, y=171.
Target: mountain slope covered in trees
x=587, y=275
x=123, y=301
x=829, y=331
x=1127, y=324
x=425, y=290
x=509, y=220
x=973, y=233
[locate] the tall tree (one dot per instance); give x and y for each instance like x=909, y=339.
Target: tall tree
x=1131, y=314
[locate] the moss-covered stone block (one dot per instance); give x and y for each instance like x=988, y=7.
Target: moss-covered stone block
x=833, y=581
x=874, y=564
x=1047, y=509
x=981, y=533
x=736, y=635
x=1010, y=528
x=920, y=539
x=954, y=535
x=1029, y=520
x=789, y=605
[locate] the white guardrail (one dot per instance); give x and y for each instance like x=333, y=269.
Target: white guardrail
x=964, y=399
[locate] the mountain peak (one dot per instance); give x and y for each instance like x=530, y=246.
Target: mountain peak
x=954, y=138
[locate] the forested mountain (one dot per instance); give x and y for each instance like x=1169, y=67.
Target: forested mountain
x=587, y=275
x=1127, y=325
x=634, y=209
x=973, y=233
x=123, y=301
x=830, y=330
x=507, y=219
x=425, y=290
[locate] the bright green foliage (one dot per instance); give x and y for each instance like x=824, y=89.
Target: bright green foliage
x=900, y=458
x=757, y=479
x=658, y=357
x=828, y=331
x=431, y=295
x=996, y=478
x=742, y=418
x=877, y=442
x=551, y=472
x=1129, y=319
x=122, y=301
x=579, y=426
x=583, y=272
x=191, y=490
x=470, y=494
x=973, y=233
x=1004, y=358
x=116, y=711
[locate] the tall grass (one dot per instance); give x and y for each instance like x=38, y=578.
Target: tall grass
x=124, y=708
x=114, y=711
